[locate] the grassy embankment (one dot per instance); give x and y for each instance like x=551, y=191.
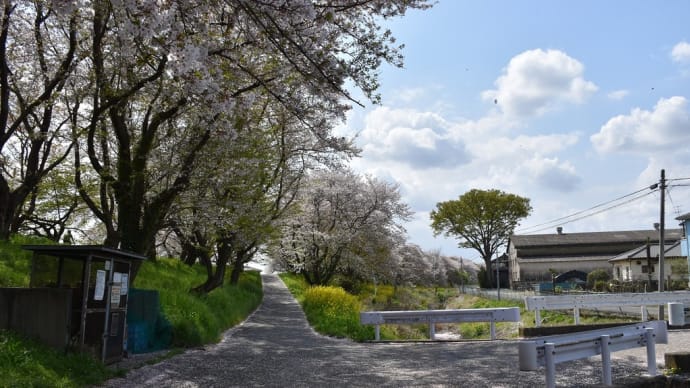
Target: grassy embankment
x=196, y=320
x=332, y=311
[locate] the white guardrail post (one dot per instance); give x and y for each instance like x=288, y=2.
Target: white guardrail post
x=604, y=340
x=549, y=357
x=651, y=350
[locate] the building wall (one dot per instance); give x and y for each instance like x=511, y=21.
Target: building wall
x=540, y=269
x=41, y=313
x=631, y=271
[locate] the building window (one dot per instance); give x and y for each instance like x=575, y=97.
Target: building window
x=618, y=273
x=647, y=269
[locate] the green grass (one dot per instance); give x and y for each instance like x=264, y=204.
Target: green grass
x=196, y=319
x=26, y=363
x=15, y=262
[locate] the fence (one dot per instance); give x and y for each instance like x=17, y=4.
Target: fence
x=594, y=301
x=431, y=317
x=491, y=293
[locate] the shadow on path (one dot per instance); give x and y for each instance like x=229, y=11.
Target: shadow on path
x=276, y=347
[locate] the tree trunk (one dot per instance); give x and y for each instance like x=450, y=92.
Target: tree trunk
x=237, y=270
x=215, y=279
x=489, y=272
x=6, y=211
x=242, y=257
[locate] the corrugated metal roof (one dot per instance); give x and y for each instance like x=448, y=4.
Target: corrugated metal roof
x=683, y=217
x=672, y=250
x=565, y=239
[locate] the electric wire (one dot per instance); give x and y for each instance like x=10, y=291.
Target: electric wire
x=555, y=221
x=676, y=208
x=598, y=211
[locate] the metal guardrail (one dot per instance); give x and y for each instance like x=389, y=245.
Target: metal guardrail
x=551, y=350
x=431, y=317
x=491, y=293
x=593, y=301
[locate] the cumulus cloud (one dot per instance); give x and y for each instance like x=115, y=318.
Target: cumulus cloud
x=552, y=174
x=419, y=139
x=536, y=81
x=518, y=147
x=644, y=131
x=618, y=94
x=681, y=52
x=409, y=95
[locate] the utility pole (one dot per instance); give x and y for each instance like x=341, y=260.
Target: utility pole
x=649, y=268
x=662, y=190
x=498, y=279
x=462, y=276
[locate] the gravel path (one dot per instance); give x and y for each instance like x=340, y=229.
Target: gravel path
x=275, y=347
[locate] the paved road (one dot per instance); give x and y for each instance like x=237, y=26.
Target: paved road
x=276, y=347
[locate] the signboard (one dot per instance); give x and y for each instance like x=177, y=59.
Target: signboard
x=125, y=286
x=115, y=290
x=100, y=285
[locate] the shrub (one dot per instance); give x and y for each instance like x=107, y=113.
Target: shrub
x=333, y=311
x=600, y=285
x=597, y=275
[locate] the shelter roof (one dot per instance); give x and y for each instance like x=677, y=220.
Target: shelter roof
x=83, y=251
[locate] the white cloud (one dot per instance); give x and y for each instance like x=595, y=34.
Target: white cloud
x=435, y=159
x=536, y=81
x=681, y=52
x=520, y=146
x=419, y=139
x=618, y=94
x=646, y=132
x=552, y=174
x=413, y=94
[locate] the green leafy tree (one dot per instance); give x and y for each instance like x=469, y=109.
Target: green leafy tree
x=481, y=219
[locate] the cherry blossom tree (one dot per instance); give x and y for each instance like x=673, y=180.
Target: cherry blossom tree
x=164, y=77
x=234, y=202
x=38, y=45
x=342, y=219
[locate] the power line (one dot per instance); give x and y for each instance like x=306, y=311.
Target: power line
x=598, y=211
x=675, y=207
x=554, y=221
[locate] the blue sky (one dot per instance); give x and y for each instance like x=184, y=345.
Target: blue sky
x=570, y=104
